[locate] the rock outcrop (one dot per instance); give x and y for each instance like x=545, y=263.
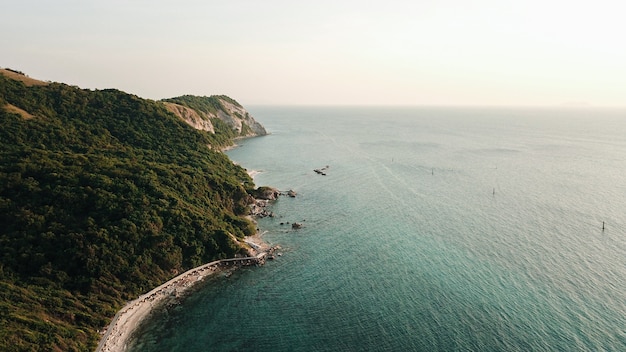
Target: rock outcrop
x=267, y=193
x=258, y=209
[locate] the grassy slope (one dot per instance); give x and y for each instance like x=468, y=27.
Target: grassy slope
x=18, y=76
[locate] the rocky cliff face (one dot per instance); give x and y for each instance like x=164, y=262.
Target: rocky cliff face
x=191, y=116
x=199, y=111
x=236, y=116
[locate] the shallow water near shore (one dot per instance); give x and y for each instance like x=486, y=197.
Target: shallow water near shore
x=435, y=229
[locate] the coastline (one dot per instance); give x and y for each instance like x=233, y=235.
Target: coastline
x=116, y=336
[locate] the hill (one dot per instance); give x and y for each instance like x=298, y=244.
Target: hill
x=104, y=195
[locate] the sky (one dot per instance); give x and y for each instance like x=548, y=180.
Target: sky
x=279, y=52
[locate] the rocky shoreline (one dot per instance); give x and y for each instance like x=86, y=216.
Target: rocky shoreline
x=262, y=199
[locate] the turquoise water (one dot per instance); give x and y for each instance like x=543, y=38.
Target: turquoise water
x=435, y=229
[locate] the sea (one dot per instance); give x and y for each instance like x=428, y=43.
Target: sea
x=430, y=229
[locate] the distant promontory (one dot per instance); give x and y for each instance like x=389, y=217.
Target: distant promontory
x=200, y=111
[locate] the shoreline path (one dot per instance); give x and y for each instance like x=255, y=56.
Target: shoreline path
x=116, y=335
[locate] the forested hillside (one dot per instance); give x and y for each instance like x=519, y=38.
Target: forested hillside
x=103, y=195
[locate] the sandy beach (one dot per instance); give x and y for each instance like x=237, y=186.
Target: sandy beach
x=116, y=336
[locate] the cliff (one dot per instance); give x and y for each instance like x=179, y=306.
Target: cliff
x=104, y=195
x=199, y=121
x=202, y=113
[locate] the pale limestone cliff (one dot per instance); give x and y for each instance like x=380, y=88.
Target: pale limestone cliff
x=191, y=116
x=236, y=115
x=219, y=107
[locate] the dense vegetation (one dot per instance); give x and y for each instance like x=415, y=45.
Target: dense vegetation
x=209, y=105
x=103, y=195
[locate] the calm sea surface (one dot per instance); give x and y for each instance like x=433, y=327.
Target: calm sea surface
x=435, y=229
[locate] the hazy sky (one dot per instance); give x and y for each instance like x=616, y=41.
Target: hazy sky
x=445, y=52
